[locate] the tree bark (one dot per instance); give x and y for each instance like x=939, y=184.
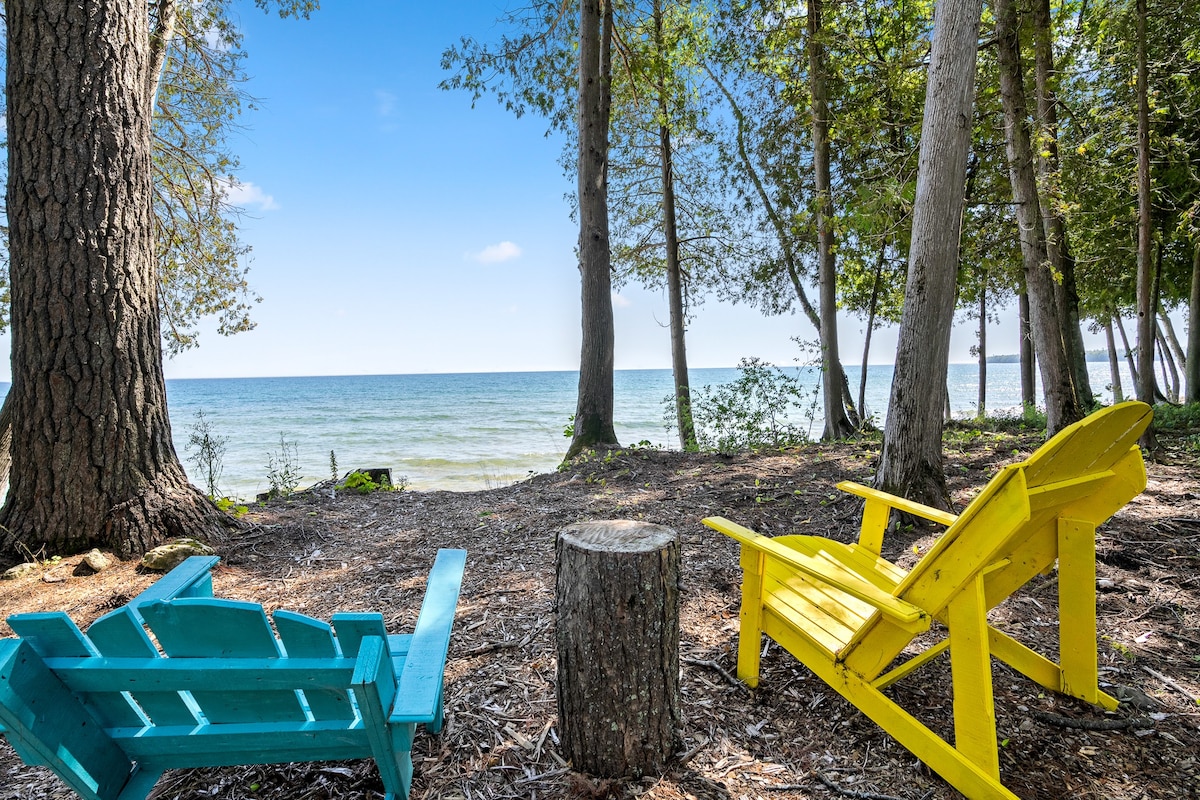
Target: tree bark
x=1129, y=352
x=911, y=462
x=617, y=592
x=1028, y=356
x=1145, y=263
x=5, y=441
x=1062, y=403
x=1192, y=378
x=874, y=307
x=981, y=407
x=837, y=425
x=1168, y=329
x=594, y=408
x=675, y=291
x=1066, y=293
x=1114, y=365
x=92, y=459
x=1166, y=360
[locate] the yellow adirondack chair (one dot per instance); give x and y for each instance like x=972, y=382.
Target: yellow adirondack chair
x=847, y=613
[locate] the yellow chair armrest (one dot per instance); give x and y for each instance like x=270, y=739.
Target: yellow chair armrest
x=903, y=613
x=907, y=506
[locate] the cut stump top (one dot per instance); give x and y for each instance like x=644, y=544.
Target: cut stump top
x=618, y=536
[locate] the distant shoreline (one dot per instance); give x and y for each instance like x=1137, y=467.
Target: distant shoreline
x=1012, y=358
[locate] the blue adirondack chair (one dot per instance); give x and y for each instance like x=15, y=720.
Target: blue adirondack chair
x=109, y=713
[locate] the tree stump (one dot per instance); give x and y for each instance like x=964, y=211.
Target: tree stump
x=618, y=646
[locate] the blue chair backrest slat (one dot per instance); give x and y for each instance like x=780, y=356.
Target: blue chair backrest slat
x=205, y=628
x=305, y=637
x=352, y=627
x=119, y=634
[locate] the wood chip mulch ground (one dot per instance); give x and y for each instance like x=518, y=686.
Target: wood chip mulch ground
x=793, y=737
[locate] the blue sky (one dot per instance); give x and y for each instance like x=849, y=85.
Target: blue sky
x=397, y=230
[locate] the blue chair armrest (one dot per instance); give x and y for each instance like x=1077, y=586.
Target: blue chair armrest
x=192, y=578
x=419, y=694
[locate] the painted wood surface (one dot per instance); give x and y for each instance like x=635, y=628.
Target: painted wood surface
x=109, y=710
x=847, y=614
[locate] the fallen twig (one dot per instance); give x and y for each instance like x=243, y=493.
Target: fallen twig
x=833, y=787
x=718, y=669
x=1111, y=724
x=1173, y=684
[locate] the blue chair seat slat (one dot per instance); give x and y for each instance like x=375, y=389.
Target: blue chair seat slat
x=248, y=743
x=202, y=627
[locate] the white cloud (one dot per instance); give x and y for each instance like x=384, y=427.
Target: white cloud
x=496, y=253
x=385, y=103
x=244, y=194
x=620, y=301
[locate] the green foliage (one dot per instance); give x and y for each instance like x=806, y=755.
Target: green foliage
x=231, y=506
x=283, y=469
x=362, y=483
x=1177, y=418
x=206, y=451
x=1030, y=420
x=569, y=428
x=753, y=412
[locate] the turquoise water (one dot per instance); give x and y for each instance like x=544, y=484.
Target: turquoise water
x=467, y=431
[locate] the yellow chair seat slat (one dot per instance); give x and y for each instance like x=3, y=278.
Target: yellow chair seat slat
x=847, y=613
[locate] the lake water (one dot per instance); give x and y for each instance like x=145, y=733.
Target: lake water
x=468, y=431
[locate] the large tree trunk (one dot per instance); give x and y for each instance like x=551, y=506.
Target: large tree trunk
x=1192, y=377
x=92, y=458
x=1114, y=364
x=675, y=292
x=1028, y=356
x=981, y=408
x=1066, y=293
x=594, y=408
x=911, y=462
x=871, y=312
x=837, y=425
x=1130, y=352
x=1062, y=403
x=1145, y=262
x=1168, y=328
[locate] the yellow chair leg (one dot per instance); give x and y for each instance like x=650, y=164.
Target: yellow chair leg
x=1077, y=610
x=754, y=565
x=971, y=665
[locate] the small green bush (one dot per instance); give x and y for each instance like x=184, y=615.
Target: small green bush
x=283, y=469
x=757, y=411
x=361, y=482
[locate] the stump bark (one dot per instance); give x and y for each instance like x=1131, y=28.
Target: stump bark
x=617, y=589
